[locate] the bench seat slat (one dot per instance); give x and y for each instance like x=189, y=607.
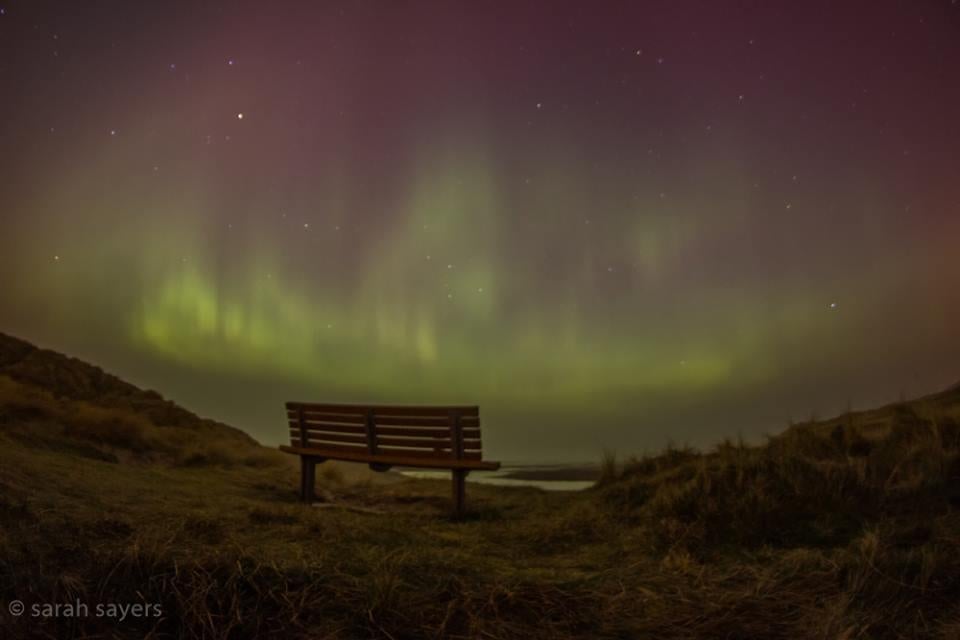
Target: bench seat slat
x=337, y=439
x=393, y=459
x=441, y=453
x=472, y=444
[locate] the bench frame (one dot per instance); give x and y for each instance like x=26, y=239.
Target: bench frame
x=456, y=460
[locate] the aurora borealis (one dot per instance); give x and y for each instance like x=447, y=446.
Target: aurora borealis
x=608, y=224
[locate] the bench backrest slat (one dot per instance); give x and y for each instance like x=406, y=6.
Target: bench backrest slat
x=418, y=431
x=392, y=410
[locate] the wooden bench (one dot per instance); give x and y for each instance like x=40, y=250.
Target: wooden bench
x=387, y=436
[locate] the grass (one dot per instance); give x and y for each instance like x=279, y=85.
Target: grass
x=846, y=528
x=795, y=538
x=35, y=417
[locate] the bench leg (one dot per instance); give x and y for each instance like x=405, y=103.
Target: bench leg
x=459, y=491
x=308, y=478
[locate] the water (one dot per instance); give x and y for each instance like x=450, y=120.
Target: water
x=553, y=482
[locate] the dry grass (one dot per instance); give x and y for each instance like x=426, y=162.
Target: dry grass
x=35, y=417
x=847, y=529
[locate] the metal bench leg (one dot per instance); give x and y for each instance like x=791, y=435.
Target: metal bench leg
x=459, y=491
x=308, y=478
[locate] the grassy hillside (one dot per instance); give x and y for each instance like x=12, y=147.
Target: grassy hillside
x=843, y=529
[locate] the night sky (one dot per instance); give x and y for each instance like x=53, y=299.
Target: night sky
x=609, y=224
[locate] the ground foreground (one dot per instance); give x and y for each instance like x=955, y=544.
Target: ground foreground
x=111, y=496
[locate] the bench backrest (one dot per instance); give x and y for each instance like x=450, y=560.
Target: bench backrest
x=422, y=432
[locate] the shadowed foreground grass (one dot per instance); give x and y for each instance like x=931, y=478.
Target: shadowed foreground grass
x=796, y=539
x=842, y=529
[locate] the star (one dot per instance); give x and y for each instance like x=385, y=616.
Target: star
x=833, y=305
x=239, y=116
x=56, y=258
x=539, y=105
x=113, y=132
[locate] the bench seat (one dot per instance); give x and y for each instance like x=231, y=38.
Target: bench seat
x=392, y=460
x=426, y=437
